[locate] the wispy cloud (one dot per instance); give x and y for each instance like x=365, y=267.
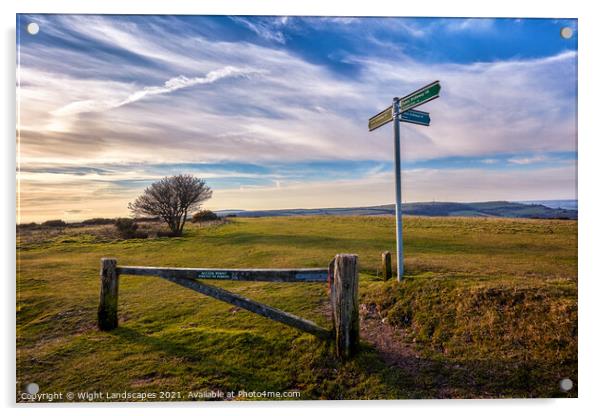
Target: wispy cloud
x=171, y=85
x=527, y=160
x=269, y=28
x=477, y=25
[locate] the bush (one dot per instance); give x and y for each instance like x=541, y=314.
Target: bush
x=126, y=227
x=204, y=215
x=27, y=226
x=98, y=221
x=54, y=223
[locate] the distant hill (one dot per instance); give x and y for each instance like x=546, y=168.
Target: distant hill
x=555, y=203
x=432, y=209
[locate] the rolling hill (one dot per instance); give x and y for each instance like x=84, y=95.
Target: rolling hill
x=501, y=209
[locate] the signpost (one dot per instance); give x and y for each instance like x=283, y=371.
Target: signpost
x=402, y=110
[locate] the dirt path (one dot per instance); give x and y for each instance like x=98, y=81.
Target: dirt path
x=392, y=344
x=397, y=349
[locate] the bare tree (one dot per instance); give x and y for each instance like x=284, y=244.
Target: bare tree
x=171, y=199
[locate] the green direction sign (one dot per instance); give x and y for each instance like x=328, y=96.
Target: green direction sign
x=419, y=97
x=381, y=119
x=415, y=117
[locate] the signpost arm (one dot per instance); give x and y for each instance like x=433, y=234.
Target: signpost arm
x=398, y=223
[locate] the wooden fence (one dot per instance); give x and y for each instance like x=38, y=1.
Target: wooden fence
x=341, y=277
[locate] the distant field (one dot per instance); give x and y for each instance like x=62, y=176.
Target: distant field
x=488, y=309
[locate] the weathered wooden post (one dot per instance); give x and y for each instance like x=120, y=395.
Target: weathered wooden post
x=345, y=305
x=109, y=287
x=386, y=265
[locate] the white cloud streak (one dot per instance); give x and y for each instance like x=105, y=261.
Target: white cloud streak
x=527, y=160
x=171, y=85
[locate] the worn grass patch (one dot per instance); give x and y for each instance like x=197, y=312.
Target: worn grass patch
x=494, y=297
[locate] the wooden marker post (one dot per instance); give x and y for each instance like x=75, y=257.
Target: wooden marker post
x=109, y=287
x=345, y=305
x=386, y=265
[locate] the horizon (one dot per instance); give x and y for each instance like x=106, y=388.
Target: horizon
x=234, y=210
x=272, y=111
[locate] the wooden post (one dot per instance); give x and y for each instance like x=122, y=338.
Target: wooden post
x=345, y=306
x=386, y=265
x=109, y=287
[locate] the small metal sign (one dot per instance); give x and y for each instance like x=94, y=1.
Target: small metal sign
x=415, y=117
x=215, y=274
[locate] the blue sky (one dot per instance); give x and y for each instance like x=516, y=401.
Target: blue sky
x=272, y=111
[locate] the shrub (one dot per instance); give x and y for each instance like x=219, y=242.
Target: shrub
x=98, y=221
x=204, y=215
x=27, y=226
x=126, y=227
x=54, y=223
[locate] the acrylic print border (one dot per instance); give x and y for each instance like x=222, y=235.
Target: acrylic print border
x=144, y=96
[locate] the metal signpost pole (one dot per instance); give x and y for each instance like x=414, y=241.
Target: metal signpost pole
x=398, y=224
x=403, y=110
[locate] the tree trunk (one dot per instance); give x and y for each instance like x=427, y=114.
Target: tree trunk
x=183, y=222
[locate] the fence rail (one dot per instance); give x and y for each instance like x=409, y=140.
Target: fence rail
x=341, y=275
x=253, y=306
x=256, y=275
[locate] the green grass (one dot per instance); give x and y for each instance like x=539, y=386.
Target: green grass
x=490, y=304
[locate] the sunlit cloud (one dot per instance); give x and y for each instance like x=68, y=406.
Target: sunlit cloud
x=171, y=85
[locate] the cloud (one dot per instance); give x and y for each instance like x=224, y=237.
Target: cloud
x=266, y=28
x=527, y=160
x=478, y=25
x=488, y=108
x=310, y=113
x=171, y=85
x=462, y=185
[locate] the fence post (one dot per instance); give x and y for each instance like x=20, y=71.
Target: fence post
x=345, y=306
x=109, y=287
x=386, y=265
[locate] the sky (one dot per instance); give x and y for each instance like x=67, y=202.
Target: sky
x=272, y=112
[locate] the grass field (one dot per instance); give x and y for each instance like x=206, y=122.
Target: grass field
x=488, y=309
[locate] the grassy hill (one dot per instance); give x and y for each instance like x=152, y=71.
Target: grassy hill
x=488, y=309
x=502, y=209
